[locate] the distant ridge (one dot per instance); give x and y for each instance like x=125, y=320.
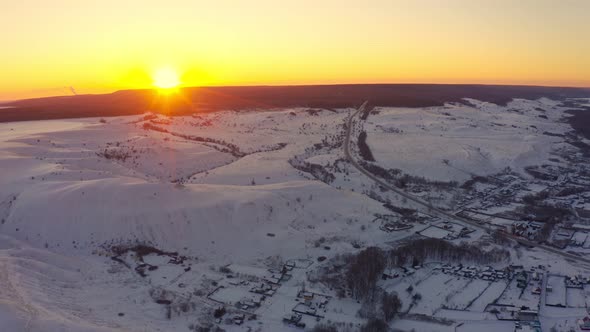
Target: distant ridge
x=206, y=99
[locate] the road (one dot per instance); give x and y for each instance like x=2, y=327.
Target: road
x=436, y=211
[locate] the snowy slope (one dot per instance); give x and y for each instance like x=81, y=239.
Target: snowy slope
x=476, y=140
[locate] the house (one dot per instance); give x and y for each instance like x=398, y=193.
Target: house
x=526, y=328
x=250, y=303
x=274, y=279
x=574, y=282
x=307, y=297
x=257, y=290
x=239, y=319
x=292, y=318
x=289, y=265
x=390, y=275
x=263, y=289
x=311, y=311
x=528, y=315
x=585, y=324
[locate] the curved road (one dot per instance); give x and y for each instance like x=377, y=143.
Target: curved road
x=438, y=211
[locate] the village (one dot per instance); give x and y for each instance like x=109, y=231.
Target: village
x=512, y=294
x=246, y=292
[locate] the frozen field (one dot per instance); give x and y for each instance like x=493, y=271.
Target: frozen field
x=468, y=295
x=490, y=294
x=435, y=232
x=440, y=289
x=576, y=297
x=475, y=140
x=557, y=296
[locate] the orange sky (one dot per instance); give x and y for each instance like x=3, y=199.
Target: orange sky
x=101, y=46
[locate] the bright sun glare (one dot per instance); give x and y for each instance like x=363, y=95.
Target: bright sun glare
x=166, y=78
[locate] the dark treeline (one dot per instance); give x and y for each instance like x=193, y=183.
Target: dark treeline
x=386, y=174
x=357, y=275
x=423, y=250
x=406, y=179
x=207, y=99
x=230, y=148
x=318, y=171
x=399, y=179
x=580, y=120
x=363, y=270
x=571, y=191
x=406, y=212
x=536, y=208
x=364, y=149
x=545, y=212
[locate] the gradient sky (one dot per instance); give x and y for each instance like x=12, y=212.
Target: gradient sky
x=100, y=46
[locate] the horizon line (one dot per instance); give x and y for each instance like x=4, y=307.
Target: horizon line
x=4, y=102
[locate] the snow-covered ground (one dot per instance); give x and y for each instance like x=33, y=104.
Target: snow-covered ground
x=478, y=140
x=232, y=193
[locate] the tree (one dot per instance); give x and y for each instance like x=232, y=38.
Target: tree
x=364, y=270
x=219, y=312
x=545, y=232
x=499, y=238
x=390, y=304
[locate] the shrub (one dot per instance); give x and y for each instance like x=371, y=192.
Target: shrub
x=390, y=305
x=219, y=312
x=225, y=269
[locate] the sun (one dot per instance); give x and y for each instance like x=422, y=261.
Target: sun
x=166, y=78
